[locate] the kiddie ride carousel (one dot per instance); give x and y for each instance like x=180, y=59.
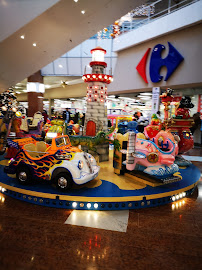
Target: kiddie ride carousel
x=144, y=171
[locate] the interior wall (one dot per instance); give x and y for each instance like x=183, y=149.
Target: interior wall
x=188, y=74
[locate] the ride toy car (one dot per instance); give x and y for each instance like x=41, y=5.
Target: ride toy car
x=60, y=163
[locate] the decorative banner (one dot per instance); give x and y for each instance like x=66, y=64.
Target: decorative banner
x=155, y=99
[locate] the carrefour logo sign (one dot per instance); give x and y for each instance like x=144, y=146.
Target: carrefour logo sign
x=172, y=61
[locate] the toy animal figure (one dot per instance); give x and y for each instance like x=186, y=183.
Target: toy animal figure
x=156, y=157
x=89, y=141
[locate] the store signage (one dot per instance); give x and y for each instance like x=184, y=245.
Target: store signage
x=171, y=62
x=155, y=99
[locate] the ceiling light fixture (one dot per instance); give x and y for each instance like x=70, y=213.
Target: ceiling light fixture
x=83, y=12
x=22, y=37
x=60, y=66
x=145, y=98
x=34, y=44
x=146, y=94
x=75, y=1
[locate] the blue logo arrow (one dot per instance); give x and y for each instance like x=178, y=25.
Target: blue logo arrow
x=172, y=61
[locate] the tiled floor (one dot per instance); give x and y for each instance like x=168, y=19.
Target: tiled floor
x=166, y=237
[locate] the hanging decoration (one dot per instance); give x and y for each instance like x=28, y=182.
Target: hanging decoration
x=143, y=10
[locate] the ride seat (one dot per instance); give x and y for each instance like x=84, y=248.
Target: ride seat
x=41, y=148
x=37, y=117
x=31, y=150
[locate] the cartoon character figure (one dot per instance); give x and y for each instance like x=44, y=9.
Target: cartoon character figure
x=184, y=108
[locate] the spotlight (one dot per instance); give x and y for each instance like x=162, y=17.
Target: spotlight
x=88, y=205
x=74, y=204
x=95, y=205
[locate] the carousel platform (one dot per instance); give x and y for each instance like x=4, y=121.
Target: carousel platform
x=107, y=192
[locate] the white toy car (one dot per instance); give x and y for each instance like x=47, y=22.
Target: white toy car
x=61, y=163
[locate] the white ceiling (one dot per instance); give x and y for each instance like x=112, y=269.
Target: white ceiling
x=14, y=14
x=55, y=31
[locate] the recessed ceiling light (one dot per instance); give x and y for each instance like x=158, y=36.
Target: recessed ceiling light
x=76, y=1
x=60, y=66
x=83, y=11
x=34, y=44
x=22, y=37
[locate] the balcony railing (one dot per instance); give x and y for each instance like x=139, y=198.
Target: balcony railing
x=160, y=11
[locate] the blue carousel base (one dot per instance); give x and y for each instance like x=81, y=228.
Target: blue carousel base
x=107, y=195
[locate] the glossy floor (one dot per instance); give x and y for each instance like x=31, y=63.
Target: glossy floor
x=166, y=237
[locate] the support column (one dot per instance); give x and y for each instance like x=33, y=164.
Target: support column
x=51, y=105
x=35, y=93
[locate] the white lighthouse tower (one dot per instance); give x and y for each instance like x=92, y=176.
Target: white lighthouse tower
x=96, y=114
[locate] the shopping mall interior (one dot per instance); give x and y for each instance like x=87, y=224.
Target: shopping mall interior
x=100, y=134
